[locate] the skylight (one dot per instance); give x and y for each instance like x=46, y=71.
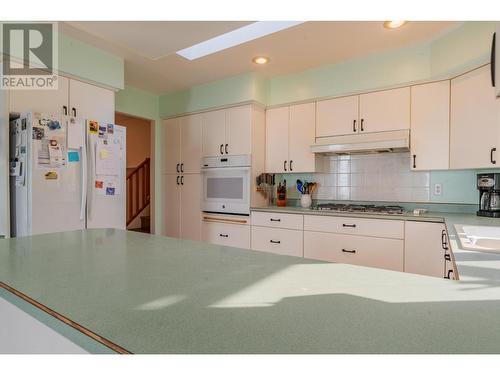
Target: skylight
x=236, y=37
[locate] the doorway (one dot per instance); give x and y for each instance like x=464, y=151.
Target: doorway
x=140, y=172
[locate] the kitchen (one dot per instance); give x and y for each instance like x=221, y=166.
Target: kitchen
x=287, y=197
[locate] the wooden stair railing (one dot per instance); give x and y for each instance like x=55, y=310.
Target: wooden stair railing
x=138, y=196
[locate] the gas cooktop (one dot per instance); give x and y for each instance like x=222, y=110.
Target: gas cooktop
x=361, y=208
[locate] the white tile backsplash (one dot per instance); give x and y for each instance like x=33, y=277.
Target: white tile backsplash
x=382, y=177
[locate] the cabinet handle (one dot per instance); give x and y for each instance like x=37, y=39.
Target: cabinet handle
x=65, y=110
x=354, y=126
x=284, y=165
x=448, y=276
x=492, y=60
x=349, y=225
x=414, y=161
x=74, y=111
x=291, y=165
x=177, y=168
x=220, y=149
x=182, y=167
x=182, y=180
x=225, y=148
x=223, y=235
x=349, y=251
x=274, y=241
x=271, y=219
x=447, y=257
x=493, y=149
x=362, y=121
x=178, y=180
x=444, y=242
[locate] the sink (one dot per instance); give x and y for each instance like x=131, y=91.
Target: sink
x=481, y=238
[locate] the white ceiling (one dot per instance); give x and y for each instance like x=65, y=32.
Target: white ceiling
x=151, y=63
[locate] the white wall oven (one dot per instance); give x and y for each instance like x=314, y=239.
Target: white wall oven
x=226, y=184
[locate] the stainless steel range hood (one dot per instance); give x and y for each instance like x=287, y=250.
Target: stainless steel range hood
x=365, y=143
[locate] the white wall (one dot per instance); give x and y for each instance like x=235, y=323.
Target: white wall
x=4, y=163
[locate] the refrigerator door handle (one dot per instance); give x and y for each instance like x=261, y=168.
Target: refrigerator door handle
x=84, y=182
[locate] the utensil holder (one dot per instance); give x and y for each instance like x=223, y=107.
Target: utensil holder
x=305, y=200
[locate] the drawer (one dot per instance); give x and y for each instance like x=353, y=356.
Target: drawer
x=278, y=241
x=269, y=219
x=359, y=250
x=234, y=235
x=354, y=225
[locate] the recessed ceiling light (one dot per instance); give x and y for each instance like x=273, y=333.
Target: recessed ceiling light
x=233, y=38
x=393, y=24
x=260, y=60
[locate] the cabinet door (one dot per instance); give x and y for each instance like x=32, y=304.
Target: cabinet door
x=171, y=150
x=474, y=121
x=45, y=101
x=171, y=206
x=301, y=137
x=214, y=133
x=277, y=140
x=430, y=126
x=190, y=149
x=337, y=116
x=424, y=253
x=91, y=102
x=384, y=110
x=191, y=207
x=226, y=234
x=239, y=130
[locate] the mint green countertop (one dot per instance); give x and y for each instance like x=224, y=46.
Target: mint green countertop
x=152, y=294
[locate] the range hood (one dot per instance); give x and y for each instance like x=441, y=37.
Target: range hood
x=365, y=143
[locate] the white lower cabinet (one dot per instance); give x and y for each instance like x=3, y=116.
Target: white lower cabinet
x=226, y=234
x=278, y=241
x=424, y=248
x=376, y=252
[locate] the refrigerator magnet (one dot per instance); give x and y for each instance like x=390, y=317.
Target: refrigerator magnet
x=99, y=184
x=51, y=175
x=111, y=128
x=93, y=126
x=110, y=191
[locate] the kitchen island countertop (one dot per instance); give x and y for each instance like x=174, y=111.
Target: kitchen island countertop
x=152, y=294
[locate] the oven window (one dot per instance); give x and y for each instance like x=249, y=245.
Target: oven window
x=225, y=187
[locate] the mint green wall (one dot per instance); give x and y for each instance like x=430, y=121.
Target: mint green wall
x=233, y=90
x=140, y=103
x=88, y=63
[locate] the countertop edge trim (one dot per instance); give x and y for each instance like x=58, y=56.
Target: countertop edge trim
x=66, y=320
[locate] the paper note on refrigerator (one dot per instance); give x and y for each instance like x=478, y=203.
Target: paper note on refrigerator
x=76, y=133
x=107, y=161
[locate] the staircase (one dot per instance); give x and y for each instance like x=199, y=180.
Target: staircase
x=138, y=197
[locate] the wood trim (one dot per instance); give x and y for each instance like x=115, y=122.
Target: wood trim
x=66, y=320
x=224, y=220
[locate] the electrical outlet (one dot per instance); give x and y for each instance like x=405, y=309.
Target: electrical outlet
x=438, y=189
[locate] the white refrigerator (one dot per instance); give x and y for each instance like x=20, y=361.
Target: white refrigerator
x=66, y=174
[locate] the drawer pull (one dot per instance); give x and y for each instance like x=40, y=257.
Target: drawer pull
x=273, y=241
x=275, y=219
x=223, y=235
x=349, y=251
x=349, y=225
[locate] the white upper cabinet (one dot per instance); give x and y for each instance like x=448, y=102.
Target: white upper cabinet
x=300, y=137
x=430, y=126
x=384, y=110
x=474, y=135
x=228, y=131
x=53, y=102
x=171, y=149
x=337, y=116
x=238, y=131
x=190, y=143
x=91, y=102
x=214, y=132
x=277, y=139
x=289, y=133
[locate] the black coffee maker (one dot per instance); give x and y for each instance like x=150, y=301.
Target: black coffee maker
x=488, y=185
